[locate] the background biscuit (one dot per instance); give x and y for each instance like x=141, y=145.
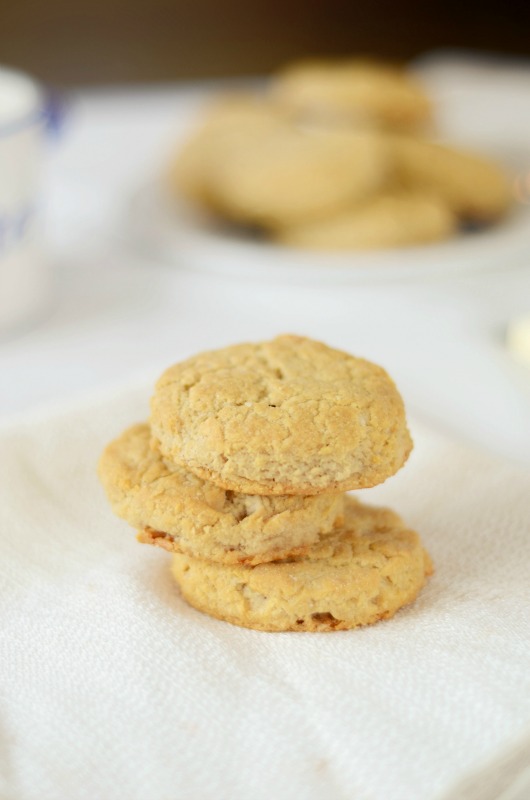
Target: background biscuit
x=389, y=219
x=352, y=92
x=474, y=188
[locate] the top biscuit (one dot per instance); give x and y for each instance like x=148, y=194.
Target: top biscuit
x=289, y=416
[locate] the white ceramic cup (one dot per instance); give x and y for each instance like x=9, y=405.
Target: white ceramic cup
x=23, y=275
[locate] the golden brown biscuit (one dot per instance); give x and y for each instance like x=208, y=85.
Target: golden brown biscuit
x=230, y=122
x=391, y=219
x=288, y=175
x=361, y=575
x=289, y=416
x=250, y=165
x=474, y=188
x=352, y=92
x=180, y=512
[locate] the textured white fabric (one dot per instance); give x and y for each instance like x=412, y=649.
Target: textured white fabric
x=112, y=688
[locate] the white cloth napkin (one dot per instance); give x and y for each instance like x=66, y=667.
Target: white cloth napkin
x=112, y=688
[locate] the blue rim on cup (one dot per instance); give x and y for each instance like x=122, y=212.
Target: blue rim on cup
x=41, y=107
x=25, y=119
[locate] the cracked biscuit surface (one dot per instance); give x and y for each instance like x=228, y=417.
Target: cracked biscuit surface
x=289, y=416
x=364, y=573
x=176, y=510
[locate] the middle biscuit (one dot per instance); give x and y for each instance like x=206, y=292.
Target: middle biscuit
x=176, y=510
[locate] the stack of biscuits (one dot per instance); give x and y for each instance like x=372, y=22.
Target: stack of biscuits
x=242, y=473
x=336, y=155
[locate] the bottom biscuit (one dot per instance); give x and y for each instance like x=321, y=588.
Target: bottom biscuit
x=366, y=572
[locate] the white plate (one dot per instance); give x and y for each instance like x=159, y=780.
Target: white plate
x=182, y=236
x=468, y=112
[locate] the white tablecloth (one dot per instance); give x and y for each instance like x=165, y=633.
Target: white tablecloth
x=112, y=687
